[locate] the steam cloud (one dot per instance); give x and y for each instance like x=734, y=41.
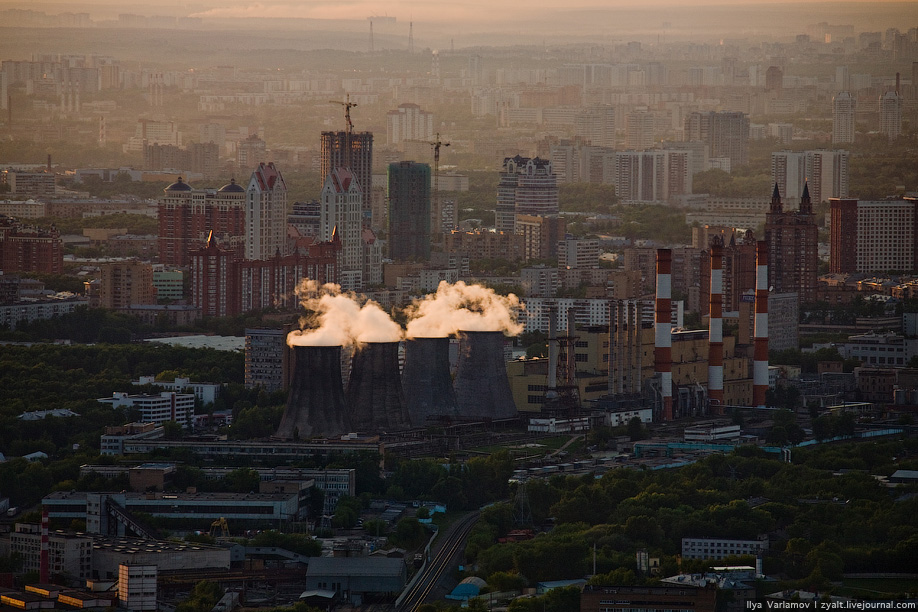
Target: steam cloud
x=342, y=318
x=463, y=307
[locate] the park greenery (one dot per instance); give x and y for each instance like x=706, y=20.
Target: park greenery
x=825, y=514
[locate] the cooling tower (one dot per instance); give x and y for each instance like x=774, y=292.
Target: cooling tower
x=374, y=390
x=316, y=404
x=482, y=386
x=427, y=382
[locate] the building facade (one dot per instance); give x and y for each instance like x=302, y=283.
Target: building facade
x=793, y=240
x=825, y=172
x=411, y=218
x=873, y=236
x=265, y=213
x=30, y=249
x=340, y=219
x=527, y=186
x=125, y=284
x=844, y=114
x=726, y=134
x=352, y=150
x=408, y=122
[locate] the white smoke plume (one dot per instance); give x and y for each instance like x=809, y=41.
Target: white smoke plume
x=463, y=307
x=341, y=318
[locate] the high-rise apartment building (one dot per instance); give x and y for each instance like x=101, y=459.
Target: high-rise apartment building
x=596, y=125
x=187, y=216
x=824, y=172
x=652, y=176
x=353, y=151
x=266, y=358
x=873, y=236
x=792, y=238
x=891, y=114
x=844, y=107
x=340, y=219
x=126, y=283
x=527, y=187
x=407, y=122
x=215, y=280
x=726, y=134
x=265, y=213
x=639, y=129
x=410, y=215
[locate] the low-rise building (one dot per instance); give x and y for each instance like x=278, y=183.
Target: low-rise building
x=720, y=548
x=167, y=406
x=354, y=578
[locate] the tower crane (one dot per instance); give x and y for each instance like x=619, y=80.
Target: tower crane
x=348, y=125
x=437, y=227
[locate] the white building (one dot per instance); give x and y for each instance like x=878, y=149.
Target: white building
x=587, y=312
x=884, y=350
x=205, y=392
x=67, y=553
x=137, y=587
x=167, y=406
x=891, y=114
x=844, y=107
x=341, y=204
x=408, y=122
x=826, y=172
x=716, y=548
x=578, y=253
x=652, y=176
x=265, y=213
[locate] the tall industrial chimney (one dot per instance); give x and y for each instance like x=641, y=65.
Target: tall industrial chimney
x=374, y=389
x=316, y=404
x=482, y=387
x=760, y=341
x=716, y=329
x=427, y=382
x=44, y=561
x=663, y=344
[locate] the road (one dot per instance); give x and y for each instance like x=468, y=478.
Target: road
x=444, y=557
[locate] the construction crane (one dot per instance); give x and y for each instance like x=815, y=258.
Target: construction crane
x=348, y=125
x=348, y=105
x=437, y=227
x=219, y=528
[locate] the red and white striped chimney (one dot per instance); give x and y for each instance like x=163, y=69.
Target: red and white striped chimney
x=44, y=562
x=663, y=341
x=716, y=330
x=760, y=341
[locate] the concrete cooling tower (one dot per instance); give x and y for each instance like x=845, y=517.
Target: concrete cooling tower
x=316, y=403
x=374, y=391
x=482, y=386
x=427, y=382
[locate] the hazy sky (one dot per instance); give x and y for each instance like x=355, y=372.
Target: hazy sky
x=403, y=10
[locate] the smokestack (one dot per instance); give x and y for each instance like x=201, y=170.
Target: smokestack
x=482, y=386
x=897, y=83
x=427, y=382
x=760, y=341
x=44, y=561
x=662, y=349
x=374, y=389
x=49, y=162
x=315, y=405
x=716, y=330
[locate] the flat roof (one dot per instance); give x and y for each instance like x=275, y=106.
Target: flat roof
x=355, y=566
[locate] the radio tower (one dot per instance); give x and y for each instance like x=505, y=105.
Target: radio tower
x=437, y=226
x=410, y=37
